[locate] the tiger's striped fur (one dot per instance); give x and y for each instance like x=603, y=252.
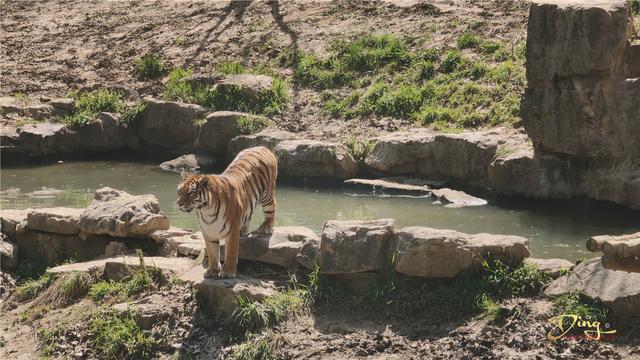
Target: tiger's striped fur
x=225, y=203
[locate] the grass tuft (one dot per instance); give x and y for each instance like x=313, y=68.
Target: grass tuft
x=90, y=104
x=119, y=337
x=359, y=149
x=524, y=280
x=467, y=40
x=231, y=68
x=260, y=350
x=32, y=287
x=66, y=289
x=149, y=66
x=251, y=124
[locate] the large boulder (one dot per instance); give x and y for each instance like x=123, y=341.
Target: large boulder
x=104, y=134
x=120, y=214
x=310, y=158
x=352, y=246
x=465, y=156
x=25, y=108
x=50, y=249
x=401, y=153
x=214, y=133
x=436, y=253
x=58, y=220
x=578, y=101
x=619, y=290
x=44, y=139
x=269, y=138
x=169, y=125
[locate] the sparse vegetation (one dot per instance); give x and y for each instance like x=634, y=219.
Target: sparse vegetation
x=90, y=104
x=133, y=113
x=31, y=288
x=115, y=336
x=149, y=66
x=182, y=41
x=359, y=149
x=252, y=316
x=252, y=124
x=231, y=68
x=259, y=350
x=575, y=303
x=524, y=280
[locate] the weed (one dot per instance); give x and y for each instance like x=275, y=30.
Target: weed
x=119, y=337
x=260, y=350
x=178, y=88
x=149, y=66
x=635, y=7
x=359, y=149
x=31, y=288
x=452, y=61
x=489, y=307
x=251, y=124
x=575, y=303
x=47, y=339
x=467, y=40
x=89, y=104
x=433, y=114
x=66, y=289
x=345, y=108
x=182, y=41
x=132, y=114
x=524, y=280
x=253, y=316
x=425, y=70
x=231, y=68
x=104, y=289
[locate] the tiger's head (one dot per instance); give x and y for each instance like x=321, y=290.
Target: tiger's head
x=192, y=192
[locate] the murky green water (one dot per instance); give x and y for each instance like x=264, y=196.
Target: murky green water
x=554, y=230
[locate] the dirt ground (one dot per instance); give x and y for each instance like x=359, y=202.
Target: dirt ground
x=49, y=48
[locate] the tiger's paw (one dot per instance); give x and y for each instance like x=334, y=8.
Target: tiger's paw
x=226, y=275
x=209, y=273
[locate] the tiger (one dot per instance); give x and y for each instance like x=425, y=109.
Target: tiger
x=225, y=203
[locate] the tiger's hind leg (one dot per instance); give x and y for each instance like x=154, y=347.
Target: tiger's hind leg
x=268, y=203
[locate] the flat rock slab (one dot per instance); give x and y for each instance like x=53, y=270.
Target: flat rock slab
x=50, y=249
x=60, y=220
x=13, y=221
x=309, y=158
x=176, y=265
x=619, y=290
x=120, y=214
x=456, y=198
x=190, y=162
x=623, y=246
x=438, y=253
x=147, y=311
x=280, y=248
x=352, y=246
x=553, y=267
x=389, y=187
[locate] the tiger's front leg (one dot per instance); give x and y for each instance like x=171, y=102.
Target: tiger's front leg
x=231, y=252
x=213, y=254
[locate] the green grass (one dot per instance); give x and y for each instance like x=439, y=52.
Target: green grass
x=575, y=303
x=524, y=280
x=149, y=66
x=251, y=317
x=133, y=113
x=114, y=336
x=260, y=350
x=105, y=289
x=635, y=7
x=382, y=75
x=31, y=288
x=89, y=104
x=140, y=280
x=182, y=41
x=232, y=98
x=231, y=68
x=358, y=148
x=251, y=124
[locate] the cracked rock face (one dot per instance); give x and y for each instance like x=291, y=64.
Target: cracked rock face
x=120, y=214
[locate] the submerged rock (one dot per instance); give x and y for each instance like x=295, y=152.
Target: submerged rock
x=351, y=246
x=436, y=253
x=456, y=198
x=388, y=186
x=310, y=158
x=190, y=162
x=58, y=220
x=120, y=214
x=619, y=290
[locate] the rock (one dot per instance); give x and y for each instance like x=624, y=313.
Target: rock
x=436, y=253
x=309, y=253
x=249, y=85
x=190, y=162
x=310, y=158
x=169, y=125
x=621, y=246
x=387, y=186
x=201, y=80
x=116, y=267
x=269, y=138
x=553, y=267
x=63, y=106
x=58, y=220
x=466, y=156
x=120, y=214
x=45, y=193
x=8, y=254
x=280, y=248
x=400, y=153
x=164, y=236
x=218, y=128
x=44, y=139
x=218, y=295
x=115, y=248
x=618, y=289
x=455, y=198
x=352, y=246
x=179, y=242
x=104, y=134
x=13, y=221
x=49, y=249
x=577, y=100
x=146, y=312
x=24, y=108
